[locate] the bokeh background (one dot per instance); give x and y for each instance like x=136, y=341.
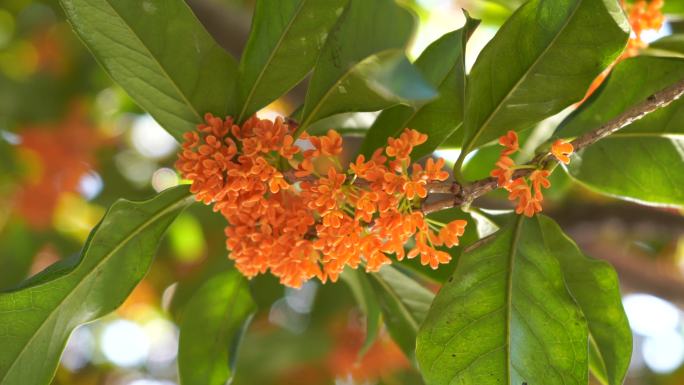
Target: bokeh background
x=72, y=142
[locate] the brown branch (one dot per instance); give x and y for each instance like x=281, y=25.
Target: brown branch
x=466, y=194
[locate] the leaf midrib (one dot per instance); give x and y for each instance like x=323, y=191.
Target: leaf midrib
x=405, y=311
x=155, y=60
x=561, y=30
x=287, y=29
x=107, y=256
x=509, y=292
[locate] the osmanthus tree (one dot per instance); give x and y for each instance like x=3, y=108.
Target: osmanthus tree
x=519, y=302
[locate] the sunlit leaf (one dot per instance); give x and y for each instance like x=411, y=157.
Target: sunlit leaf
x=40, y=314
x=641, y=161
x=594, y=285
x=631, y=82
x=505, y=317
x=640, y=167
x=161, y=55
x=211, y=329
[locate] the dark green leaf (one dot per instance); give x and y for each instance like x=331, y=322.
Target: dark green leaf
x=361, y=288
x=442, y=64
x=351, y=75
x=39, y=315
x=505, y=317
x=161, y=55
x=283, y=45
x=631, y=82
x=646, y=168
x=594, y=285
x=542, y=60
x=215, y=319
x=404, y=304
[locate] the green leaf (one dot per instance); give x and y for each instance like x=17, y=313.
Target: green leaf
x=188, y=286
x=283, y=45
x=161, y=55
x=674, y=7
x=641, y=161
x=210, y=331
x=443, y=66
x=631, y=82
x=672, y=45
x=542, y=60
x=404, y=303
x=16, y=254
x=40, y=314
x=362, y=66
x=505, y=317
x=595, y=286
x=645, y=168
x=361, y=288
x=377, y=82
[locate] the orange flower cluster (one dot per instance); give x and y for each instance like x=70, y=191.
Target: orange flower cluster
x=643, y=16
x=319, y=224
x=529, y=197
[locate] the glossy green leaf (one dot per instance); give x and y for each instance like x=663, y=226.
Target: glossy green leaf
x=161, y=55
x=595, y=286
x=641, y=161
x=40, y=314
x=362, y=66
x=404, y=303
x=542, y=60
x=505, y=317
x=283, y=46
x=645, y=168
x=443, y=65
x=377, y=82
x=631, y=82
x=361, y=288
x=211, y=329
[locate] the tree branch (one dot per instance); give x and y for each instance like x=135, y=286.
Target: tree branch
x=467, y=194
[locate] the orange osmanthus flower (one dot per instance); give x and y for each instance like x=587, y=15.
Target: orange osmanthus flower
x=529, y=199
x=505, y=166
x=562, y=150
x=317, y=226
